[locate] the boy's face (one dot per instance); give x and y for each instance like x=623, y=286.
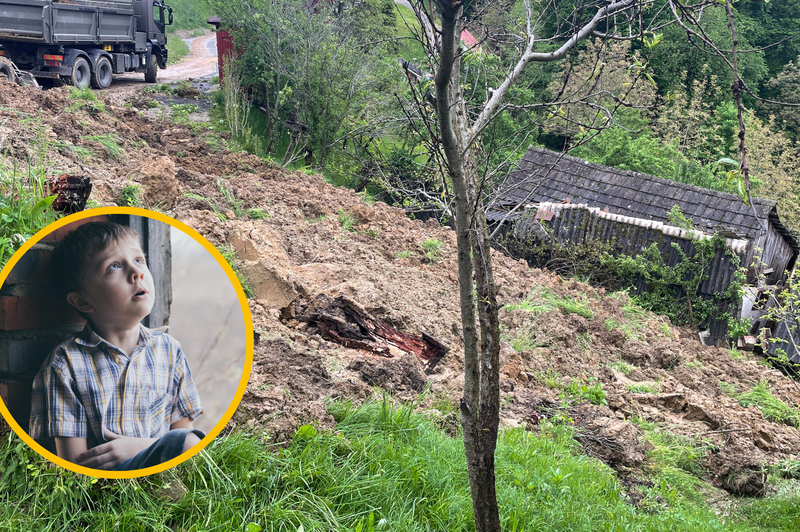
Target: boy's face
x=117, y=288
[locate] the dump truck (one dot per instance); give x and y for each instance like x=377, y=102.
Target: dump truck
x=82, y=42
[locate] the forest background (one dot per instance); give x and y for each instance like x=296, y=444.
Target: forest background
x=324, y=80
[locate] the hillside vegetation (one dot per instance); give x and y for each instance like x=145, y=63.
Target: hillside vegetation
x=614, y=419
x=327, y=80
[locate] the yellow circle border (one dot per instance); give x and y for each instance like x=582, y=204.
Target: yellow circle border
x=248, y=325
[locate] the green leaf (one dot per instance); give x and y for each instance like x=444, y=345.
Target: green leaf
x=252, y=527
x=727, y=160
x=306, y=432
x=742, y=191
x=42, y=204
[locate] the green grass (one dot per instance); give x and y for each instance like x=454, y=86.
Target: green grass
x=727, y=389
x=189, y=15
x=84, y=100
x=230, y=197
x=580, y=390
x=645, y=387
x=621, y=366
x=384, y=468
x=347, y=220
x=636, y=319
x=432, y=249
x=178, y=49
x=543, y=299
x=409, y=48
x=771, y=407
x=214, y=208
x=258, y=214
x=81, y=152
x=181, y=112
x=403, y=254
x=110, y=143
x=525, y=340
x=230, y=257
x=130, y=195
x=550, y=378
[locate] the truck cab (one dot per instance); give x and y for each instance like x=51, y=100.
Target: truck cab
x=153, y=27
x=83, y=41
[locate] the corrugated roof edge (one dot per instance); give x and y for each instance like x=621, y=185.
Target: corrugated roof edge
x=737, y=245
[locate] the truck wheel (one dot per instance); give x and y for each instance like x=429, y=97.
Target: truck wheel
x=7, y=70
x=101, y=77
x=151, y=74
x=81, y=73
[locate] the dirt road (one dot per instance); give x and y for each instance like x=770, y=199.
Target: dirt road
x=201, y=61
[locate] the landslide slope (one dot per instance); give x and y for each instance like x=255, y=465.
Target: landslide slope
x=311, y=247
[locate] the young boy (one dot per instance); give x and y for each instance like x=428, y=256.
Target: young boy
x=117, y=396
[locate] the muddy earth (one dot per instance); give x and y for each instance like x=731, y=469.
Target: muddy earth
x=296, y=253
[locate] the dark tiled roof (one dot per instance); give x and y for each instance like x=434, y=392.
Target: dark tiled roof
x=633, y=194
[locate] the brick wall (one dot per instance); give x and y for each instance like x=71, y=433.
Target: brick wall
x=34, y=319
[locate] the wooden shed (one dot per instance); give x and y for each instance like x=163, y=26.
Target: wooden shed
x=546, y=176
x=578, y=200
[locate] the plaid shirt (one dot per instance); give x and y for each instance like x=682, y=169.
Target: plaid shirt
x=87, y=383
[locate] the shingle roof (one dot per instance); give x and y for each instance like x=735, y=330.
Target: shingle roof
x=633, y=194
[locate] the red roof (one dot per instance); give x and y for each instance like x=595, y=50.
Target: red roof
x=468, y=39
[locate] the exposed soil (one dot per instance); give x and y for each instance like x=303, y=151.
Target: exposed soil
x=200, y=63
x=301, y=251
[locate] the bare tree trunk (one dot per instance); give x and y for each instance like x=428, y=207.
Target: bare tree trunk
x=480, y=404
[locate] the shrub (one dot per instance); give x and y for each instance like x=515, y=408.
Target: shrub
x=347, y=220
x=432, y=249
x=130, y=195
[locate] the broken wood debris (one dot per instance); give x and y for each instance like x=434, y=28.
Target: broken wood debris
x=72, y=192
x=344, y=322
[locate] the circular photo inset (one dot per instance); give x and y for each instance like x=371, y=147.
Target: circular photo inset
x=126, y=342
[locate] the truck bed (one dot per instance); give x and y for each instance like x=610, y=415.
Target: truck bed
x=78, y=22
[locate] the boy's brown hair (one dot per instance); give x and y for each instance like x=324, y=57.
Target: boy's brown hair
x=72, y=255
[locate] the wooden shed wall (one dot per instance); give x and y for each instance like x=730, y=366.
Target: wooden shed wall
x=783, y=333
x=777, y=254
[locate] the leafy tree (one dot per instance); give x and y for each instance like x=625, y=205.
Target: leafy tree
x=680, y=62
x=785, y=87
x=310, y=69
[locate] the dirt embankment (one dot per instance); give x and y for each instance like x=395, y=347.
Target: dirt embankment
x=297, y=250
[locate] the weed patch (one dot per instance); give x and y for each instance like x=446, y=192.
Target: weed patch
x=258, y=214
x=230, y=257
x=771, y=407
x=432, y=249
x=543, y=299
x=347, y=221
x=84, y=100
x=130, y=195
x=110, y=143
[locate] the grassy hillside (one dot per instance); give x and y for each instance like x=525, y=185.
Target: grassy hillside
x=384, y=468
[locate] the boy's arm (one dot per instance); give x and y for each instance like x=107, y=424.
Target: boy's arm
x=70, y=448
x=117, y=450
x=184, y=423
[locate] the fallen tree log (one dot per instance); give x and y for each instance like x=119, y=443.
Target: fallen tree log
x=342, y=321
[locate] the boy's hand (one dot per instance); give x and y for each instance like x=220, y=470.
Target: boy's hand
x=118, y=449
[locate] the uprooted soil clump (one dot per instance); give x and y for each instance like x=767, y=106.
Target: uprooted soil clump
x=623, y=374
